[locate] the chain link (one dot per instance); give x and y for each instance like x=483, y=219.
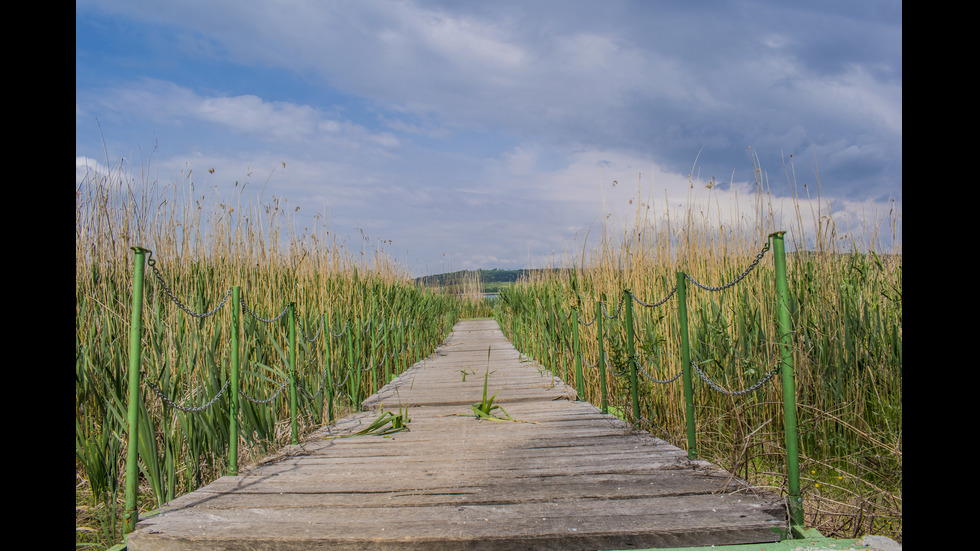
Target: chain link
x=175, y=405
x=302, y=387
x=314, y=337
x=256, y=316
x=586, y=324
x=342, y=331
x=612, y=368
x=655, y=380
x=270, y=399
x=343, y=383
x=619, y=308
x=751, y=389
x=166, y=289
x=739, y=278
x=655, y=304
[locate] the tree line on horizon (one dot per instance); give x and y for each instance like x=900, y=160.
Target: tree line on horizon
x=491, y=280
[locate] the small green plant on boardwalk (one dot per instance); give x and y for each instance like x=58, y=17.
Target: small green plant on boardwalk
x=385, y=424
x=486, y=408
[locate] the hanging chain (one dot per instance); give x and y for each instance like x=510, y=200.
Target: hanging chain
x=752, y=266
x=256, y=316
x=751, y=389
x=175, y=405
x=153, y=265
x=652, y=305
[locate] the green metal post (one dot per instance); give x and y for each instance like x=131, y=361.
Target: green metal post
x=326, y=323
x=517, y=328
x=132, y=417
x=292, y=372
x=386, y=362
x=631, y=350
x=401, y=349
x=542, y=338
x=692, y=447
x=552, y=337
x=789, y=383
x=535, y=329
x=374, y=350
x=579, y=383
x=539, y=336
x=355, y=374
x=521, y=332
x=235, y=365
x=602, y=357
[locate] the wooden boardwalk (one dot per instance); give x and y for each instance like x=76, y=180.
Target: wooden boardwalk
x=564, y=476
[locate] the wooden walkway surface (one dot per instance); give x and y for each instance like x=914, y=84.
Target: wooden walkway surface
x=564, y=476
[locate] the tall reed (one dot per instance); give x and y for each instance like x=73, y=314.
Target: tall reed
x=361, y=320
x=467, y=288
x=847, y=348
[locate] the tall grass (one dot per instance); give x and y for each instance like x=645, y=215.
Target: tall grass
x=467, y=288
x=846, y=302
x=360, y=305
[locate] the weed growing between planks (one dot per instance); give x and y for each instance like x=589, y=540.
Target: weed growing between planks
x=486, y=409
x=385, y=424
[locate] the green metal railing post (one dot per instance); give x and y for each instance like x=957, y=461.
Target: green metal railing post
x=292, y=372
x=399, y=369
x=355, y=374
x=531, y=331
x=326, y=323
x=579, y=383
x=631, y=350
x=539, y=337
x=235, y=365
x=789, y=383
x=132, y=416
x=540, y=328
x=550, y=348
x=692, y=450
x=526, y=328
x=374, y=369
x=602, y=357
x=389, y=357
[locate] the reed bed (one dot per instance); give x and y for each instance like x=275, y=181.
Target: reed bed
x=467, y=288
x=846, y=301
x=360, y=321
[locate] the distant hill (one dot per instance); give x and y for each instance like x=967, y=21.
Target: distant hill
x=494, y=280
x=491, y=280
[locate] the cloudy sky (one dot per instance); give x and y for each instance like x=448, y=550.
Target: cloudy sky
x=467, y=134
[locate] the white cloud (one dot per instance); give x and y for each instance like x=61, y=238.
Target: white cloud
x=171, y=105
x=475, y=125
x=86, y=168
x=252, y=114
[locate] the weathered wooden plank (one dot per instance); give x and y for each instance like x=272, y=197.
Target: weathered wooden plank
x=395, y=491
x=564, y=477
x=564, y=524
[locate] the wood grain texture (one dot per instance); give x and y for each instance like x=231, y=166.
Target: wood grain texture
x=562, y=476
